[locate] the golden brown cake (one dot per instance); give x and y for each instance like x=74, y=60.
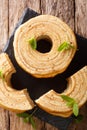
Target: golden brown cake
x=43, y=65
x=36, y=63
x=76, y=89
x=11, y=99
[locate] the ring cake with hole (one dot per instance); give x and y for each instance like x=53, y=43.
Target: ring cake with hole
x=50, y=30
x=51, y=102
x=51, y=33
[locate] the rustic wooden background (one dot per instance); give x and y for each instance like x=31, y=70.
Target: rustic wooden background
x=73, y=12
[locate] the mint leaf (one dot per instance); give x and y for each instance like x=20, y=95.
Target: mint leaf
x=26, y=120
x=1, y=74
x=67, y=98
x=70, y=102
x=33, y=43
x=33, y=123
x=75, y=109
x=24, y=115
x=65, y=46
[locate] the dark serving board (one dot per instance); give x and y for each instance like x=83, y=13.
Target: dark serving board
x=37, y=87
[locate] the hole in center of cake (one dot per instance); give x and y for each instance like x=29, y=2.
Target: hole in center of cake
x=44, y=45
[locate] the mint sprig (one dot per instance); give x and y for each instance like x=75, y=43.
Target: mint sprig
x=23, y=115
x=33, y=43
x=65, y=46
x=75, y=109
x=70, y=102
x=28, y=118
x=1, y=74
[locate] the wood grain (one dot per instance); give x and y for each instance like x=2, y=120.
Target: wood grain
x=64, y=9
x=81, y=17
x=83, y=124
x=17, y=123
x=14, y=15
x=81, y=28
x=73, y=12
x=4, y=117
x=16, y=8
x=3, y=23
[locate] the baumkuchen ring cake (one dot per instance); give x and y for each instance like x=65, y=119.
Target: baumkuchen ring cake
x=76, y=89
x=11, y=99
x=47, y=28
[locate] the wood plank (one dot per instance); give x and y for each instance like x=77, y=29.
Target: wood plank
x=16, y=8
x=64, y=9
x=17, y=123
x=81, y=28
x=83, y=124
x=3, y=23
x=4, y=117
x=34, y=4
x=50, y=127
x=81, y=17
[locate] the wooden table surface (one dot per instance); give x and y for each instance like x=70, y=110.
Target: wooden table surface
x=73, y=12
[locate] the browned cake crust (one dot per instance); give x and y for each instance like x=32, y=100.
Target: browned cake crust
x=11, y=99
x=76, y=89
x=44, y=64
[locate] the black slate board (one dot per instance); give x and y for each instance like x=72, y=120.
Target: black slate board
x=37, y=87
